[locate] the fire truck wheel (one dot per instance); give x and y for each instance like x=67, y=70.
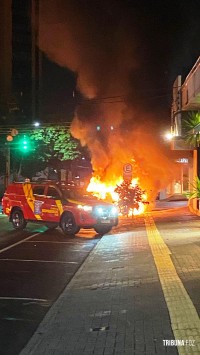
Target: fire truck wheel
x=17, y=219
x=102, y=229
x=68, y=224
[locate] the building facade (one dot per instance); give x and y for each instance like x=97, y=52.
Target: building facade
x=186, y=101
x=31, y=86
x=18, y=61
x=5, y=56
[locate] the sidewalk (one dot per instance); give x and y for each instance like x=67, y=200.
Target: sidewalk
x=176, y=197
x=113, y=305
x=173, y=201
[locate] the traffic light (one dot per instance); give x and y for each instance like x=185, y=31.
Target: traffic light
x=25, y=144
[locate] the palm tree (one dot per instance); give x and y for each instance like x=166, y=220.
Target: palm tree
x=195, y=193
x=189, y=123
x=191, y=135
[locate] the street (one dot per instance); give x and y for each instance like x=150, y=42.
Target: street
x=99, y=119
x=37, y=264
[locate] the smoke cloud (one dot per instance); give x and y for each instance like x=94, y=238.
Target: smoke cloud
x=95, y=39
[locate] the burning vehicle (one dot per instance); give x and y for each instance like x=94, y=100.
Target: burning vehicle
x=127, y=195
x=57, y=205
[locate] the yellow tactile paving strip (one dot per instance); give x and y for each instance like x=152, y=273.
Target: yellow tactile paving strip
x=185, y=321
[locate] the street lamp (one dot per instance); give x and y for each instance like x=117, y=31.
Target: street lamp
x=169, y=136
x=36, y=124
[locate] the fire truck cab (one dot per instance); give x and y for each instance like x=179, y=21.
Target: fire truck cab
x=56, y=205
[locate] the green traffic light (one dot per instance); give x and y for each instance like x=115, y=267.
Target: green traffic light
x=25, y=144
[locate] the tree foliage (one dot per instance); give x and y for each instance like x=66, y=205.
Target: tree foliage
x=190, y=121
x=195, y=193
x=54, y=142
x=129, y=196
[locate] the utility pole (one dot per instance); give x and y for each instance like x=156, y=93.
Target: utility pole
x=7, y=176
x=13, y=133
x=33, y=59
x=36, y=61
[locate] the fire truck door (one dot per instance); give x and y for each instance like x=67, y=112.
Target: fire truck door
x=50, y=210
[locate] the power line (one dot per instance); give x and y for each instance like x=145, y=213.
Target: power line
x=27, y=128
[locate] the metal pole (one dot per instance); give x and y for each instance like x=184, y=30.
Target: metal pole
x=33, y=10
x=7, y=166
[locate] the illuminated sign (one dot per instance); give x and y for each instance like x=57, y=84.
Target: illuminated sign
x=183, y=160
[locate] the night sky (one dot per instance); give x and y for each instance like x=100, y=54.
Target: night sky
x=131, y=49
x=125, y=56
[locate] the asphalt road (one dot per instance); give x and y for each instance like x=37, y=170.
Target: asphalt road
x=37, y=264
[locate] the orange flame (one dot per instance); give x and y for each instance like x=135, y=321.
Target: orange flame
x=104, y=190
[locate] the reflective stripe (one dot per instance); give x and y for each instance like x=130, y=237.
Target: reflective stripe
x=28, y=192
x=59, y=205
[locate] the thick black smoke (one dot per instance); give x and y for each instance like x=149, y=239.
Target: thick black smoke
x=98, y=40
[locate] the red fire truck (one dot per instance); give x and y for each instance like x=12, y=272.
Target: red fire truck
x=54, y=205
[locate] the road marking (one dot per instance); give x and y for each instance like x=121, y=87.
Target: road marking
x=25, y=299
x=40, y=261
x=18, y=243
x=185, y=321
x=13, y=319
x=57, y=242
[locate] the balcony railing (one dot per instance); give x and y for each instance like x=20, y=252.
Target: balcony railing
x=191, y=89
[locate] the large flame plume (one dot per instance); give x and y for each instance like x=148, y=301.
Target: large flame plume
x=107, y=191
x=96, y=41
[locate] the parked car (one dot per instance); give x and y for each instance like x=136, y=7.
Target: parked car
x=54, y=205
